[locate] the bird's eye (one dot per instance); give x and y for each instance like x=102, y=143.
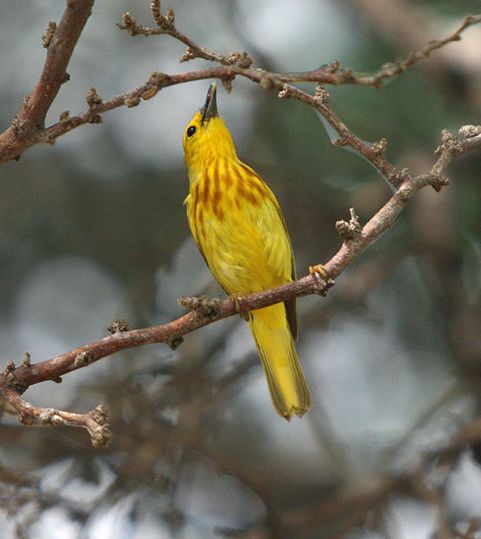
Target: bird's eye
x=191, y=130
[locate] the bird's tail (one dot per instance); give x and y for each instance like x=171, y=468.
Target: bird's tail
x=287, y=385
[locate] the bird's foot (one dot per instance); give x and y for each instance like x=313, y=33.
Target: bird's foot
x=319, y=271
x=321, y=279
x=238, y=306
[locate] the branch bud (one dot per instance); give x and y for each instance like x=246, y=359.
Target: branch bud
x=227, y=84
x=349, y=230
x=50, y=32
x=118, y=326
x=93, y=98
x=397, y=176
x=26, y=360
x=322, y=95
x=379, y=147
x=285, y=93
x=267, y=83
x=82, y=359
x=469, y=131
x=132, y=101
x=64, y=119
x=174, y=342
x=189, y=54
x=205, y=306
x=333, y=67
x=449, y=143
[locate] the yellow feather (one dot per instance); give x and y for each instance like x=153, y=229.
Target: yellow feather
x=287, y=385
x=238, y=225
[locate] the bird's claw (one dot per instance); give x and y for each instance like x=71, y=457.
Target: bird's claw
x=238, y=306
x=319, y=271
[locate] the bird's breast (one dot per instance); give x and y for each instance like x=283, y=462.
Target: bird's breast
x=234, y=219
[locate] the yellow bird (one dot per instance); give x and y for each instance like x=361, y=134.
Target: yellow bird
x=239, y=228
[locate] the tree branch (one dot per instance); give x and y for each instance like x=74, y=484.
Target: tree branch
x=14, y=381
x=327, y=74
x=389, y=71
x=95, y=421
x=166, y=26
x=28, y=128
x=237, y=64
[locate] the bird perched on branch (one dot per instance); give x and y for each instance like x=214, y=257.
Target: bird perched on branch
x=239, y=228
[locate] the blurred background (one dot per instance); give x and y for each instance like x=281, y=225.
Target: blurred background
x=93, y=229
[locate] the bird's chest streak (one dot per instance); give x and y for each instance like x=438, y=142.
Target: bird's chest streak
x=228, y=237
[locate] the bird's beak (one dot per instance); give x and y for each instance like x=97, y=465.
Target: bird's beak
x=210, y=108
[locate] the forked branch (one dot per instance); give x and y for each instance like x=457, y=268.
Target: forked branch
x=95, y=421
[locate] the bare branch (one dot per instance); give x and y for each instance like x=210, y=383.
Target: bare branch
x=27, y=128
x=350, y=230
x=389, y=71
x=95, y=421
x=327, y=74
x=166, y=26
x=60, y=41
x=341, y=135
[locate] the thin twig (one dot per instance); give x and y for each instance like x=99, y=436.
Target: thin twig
x=166, y=26
x=389, y=71
x=95, y=421
x=341, y=135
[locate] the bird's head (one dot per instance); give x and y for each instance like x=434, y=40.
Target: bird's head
x=206, y=136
